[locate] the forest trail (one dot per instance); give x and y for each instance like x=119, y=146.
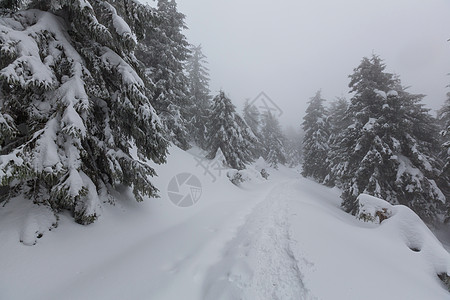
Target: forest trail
x=258, y=263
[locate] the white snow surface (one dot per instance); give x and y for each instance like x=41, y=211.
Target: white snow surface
x=392, y=93
x=407, y=226
x=370, y=123
x=281, y=238
x=380, y=93
x=120, y=25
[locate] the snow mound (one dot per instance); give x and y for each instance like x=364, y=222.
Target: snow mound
x=402, y=222
x=373, y=209
x=30, y=221
x=238, y=177
x=261, y=164
x=38, y=220
x=257, y=171
x=392, y=93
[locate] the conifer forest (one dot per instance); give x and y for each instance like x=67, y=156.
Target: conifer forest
x=113, y=119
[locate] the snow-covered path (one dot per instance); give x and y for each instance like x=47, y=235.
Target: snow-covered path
x=285, y=238
x=259, y=262
x=298, y=244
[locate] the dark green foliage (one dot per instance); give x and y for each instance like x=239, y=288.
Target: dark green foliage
x=229, y=133
x=272, y=139
x=73, y=106
x=12, y=5
x=253, y=119
x=390, y=149
x=163, y=52
x=315, y=142
x=338, y=122
x=444, y=177
x=199, y=95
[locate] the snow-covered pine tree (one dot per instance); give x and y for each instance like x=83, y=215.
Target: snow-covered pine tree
x=337, y=117
x=272, y=139
x=418, y=134
x=390, y=149
x=163, y=52
x=199, y=95
x=254, y=141
x=444, y=178
x=338, y=123
x=252, y=118
x=315, y=142
x=73, y=104
x=444, y=119
x=363, y=157
x=229, y=133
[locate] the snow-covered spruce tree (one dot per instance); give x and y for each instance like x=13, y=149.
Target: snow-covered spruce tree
x=255, y=144
x=164, y=51
x=444, y=120
x=272, y=139
x=252, y=118
x=337, y=117
x=72, y=104
x=228, y=132
x=444, y=178
x=419, y=139
x=315, y=142
x=199, y=95
x=389, y=150
x=338, y=123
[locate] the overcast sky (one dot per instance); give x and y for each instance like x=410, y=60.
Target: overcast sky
x=291, y=48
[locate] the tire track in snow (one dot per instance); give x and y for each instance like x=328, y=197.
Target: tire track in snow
x=259, y=262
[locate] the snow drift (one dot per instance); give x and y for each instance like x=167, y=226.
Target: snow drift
x=402, y=223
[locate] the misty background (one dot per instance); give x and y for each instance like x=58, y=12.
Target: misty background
x=289, y=49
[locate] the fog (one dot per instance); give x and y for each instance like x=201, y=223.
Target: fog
x=289, y=49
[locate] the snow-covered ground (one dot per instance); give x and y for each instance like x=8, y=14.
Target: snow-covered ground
x=282, y=238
